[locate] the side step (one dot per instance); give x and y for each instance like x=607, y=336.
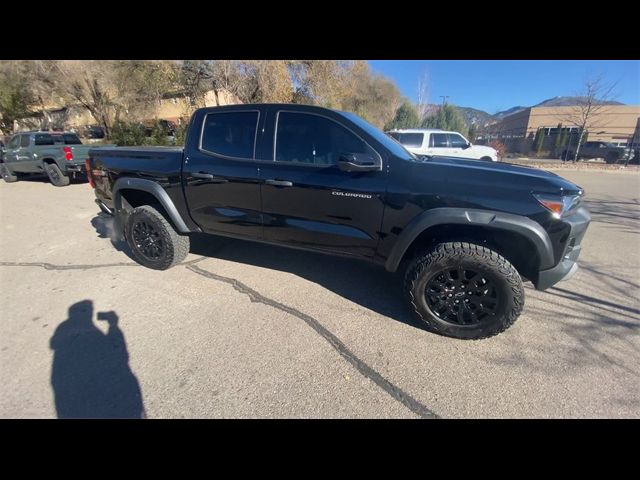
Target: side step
x=104, y=208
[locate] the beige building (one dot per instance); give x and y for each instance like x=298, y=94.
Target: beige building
x=614, y=123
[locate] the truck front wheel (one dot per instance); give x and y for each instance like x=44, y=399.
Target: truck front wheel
x=153, y=241
x=464, y=290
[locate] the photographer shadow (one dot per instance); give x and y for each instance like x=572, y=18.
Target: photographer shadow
x=91, y=377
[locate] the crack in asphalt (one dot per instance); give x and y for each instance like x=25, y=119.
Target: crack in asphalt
x=367, y=371
x=396, y=392
x=51, y=266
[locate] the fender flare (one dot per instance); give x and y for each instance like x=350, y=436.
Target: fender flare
x=154, y=189
x=524, y=226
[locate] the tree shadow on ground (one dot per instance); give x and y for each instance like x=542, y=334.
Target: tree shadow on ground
x=90, y=376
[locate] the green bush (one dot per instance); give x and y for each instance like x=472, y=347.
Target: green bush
x=181, y=133
x=128, y=134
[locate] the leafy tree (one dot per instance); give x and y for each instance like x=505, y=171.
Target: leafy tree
x=371, y=96
x=17, y=98
x=406, y=117
x=593, y=101
x=447, y=118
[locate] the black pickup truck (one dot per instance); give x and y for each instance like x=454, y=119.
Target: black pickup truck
x=465, y=232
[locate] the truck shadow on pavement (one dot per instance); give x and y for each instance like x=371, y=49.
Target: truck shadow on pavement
x=90, y=376
x=357, y=281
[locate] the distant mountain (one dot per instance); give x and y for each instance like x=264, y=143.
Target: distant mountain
x=477, y=117
x=570, y=101
x=506, y=113
x=482, y=119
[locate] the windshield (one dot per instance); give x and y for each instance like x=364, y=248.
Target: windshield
x=394, y=147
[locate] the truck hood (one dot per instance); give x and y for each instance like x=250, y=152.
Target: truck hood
x=504, y=174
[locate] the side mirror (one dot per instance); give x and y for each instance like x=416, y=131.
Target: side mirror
x=359, y=162
x=468, y=145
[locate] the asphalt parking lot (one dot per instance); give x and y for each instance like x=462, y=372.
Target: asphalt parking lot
x=248, y=330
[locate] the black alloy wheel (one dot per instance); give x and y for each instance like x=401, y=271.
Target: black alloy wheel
x=147, y=240
x=462, y=296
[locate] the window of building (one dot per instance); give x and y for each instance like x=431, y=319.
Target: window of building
x=231, y=134
x=315, y=140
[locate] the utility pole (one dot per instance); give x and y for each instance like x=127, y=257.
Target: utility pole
x=444, y=99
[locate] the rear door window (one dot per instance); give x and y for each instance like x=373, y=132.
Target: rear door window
x=43, y=139
x=409, y=139
x=232, y=134
x=438, y=140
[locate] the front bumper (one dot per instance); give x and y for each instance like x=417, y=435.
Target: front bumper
x=568, y=266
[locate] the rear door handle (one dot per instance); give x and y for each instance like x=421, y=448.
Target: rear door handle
x=278, y=183
x=207, y=176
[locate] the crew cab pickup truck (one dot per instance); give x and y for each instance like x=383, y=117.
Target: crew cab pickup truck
x=610, y=152
x=466, y=233
x=58, y=154
x=433, y=142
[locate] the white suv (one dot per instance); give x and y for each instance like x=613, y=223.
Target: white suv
x=444, y=144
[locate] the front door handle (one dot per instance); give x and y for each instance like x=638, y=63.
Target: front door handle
x=279, y=183
x=207, y=176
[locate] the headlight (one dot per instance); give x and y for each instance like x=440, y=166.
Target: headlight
x=559, y=205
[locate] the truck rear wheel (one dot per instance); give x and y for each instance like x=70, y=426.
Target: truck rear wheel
x=464, y=290
x=153, y=241
x=56, y=177
x=7, y=175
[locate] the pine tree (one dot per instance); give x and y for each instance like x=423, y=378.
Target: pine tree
x=447, y=118
x=406, y=117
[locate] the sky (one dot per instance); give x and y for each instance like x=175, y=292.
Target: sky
x=496, y=85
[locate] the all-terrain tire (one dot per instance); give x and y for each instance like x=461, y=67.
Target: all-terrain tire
x=56, y=177
x=504, y=277
x=7, y=175
x=168, y=248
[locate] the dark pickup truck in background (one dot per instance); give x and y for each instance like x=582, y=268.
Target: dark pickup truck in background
x=60, y=155
x=609, y=152
x=465, y=232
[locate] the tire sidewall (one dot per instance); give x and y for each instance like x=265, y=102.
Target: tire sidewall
x=6, y=173
x=51, y=169
x=498, y=277
x=140, y=214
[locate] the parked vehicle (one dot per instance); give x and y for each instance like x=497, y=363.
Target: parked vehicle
x=58, y=154
x=430, y=142
x=94, y=132
x=609, y=152
x=465, y=232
